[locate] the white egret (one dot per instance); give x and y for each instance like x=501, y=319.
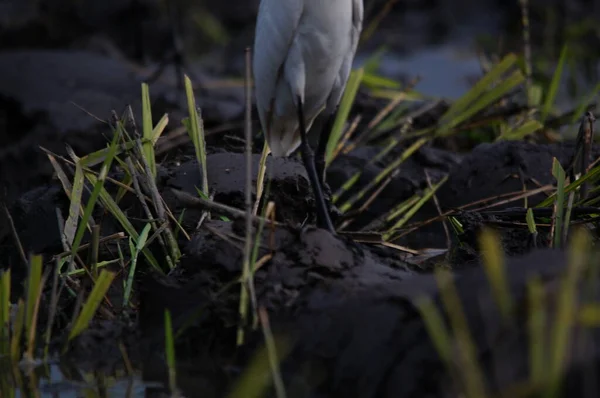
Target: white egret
x=303, y=54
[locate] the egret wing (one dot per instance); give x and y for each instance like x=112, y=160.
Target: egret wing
x=342, y=79
x=276, y=27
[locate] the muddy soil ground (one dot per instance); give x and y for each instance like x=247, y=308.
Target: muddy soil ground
x=347, y=308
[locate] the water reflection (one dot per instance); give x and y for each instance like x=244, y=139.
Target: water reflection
x=52, y=380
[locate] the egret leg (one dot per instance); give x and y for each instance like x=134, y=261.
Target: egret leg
x=308, y=158
x=176, y=55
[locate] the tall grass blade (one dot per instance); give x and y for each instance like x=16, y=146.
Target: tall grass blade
x=195, y=128
x=526, y=129
x=5, y=312
x=437, y=330
x=98, y=187
x=343, y=111
x=92, y=303
x=537, y=332
x=562, y=330
x=147, y=130
x=413, y=210
x=559, y=173
x=34, y=280
x=17, y=329
x=554, y=84
x=494, y=267
x=464, y=102
x=135, y=249
x=170, y=352
x=467, y=353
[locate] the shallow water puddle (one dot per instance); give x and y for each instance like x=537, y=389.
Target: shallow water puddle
x=59, y=380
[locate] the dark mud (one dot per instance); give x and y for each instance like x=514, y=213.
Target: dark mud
x=347, y=307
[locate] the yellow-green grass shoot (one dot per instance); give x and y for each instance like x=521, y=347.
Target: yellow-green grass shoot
x=263, y=368
x=381, y=176
x=559, y=173
x=135, y=248
x=5, y=307
x=147, y=133
x=554, y=84
x=436, y=329
x=488, y=90
x=584, y=104
x=17, y=329
x=112, y=207
x=471, y=373
x=343, y=111
x=170, y=352
x=566, y=309
x=348, y=184
x=195, y=128
x=34, y=294
x=412, y=210
x=590, y=176
x=536, y=323
x=260, y=178
x=101, y=286
x=495, y=270
x=98, y=187
x=522, y=131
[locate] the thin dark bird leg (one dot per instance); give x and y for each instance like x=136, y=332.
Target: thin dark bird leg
x=175, y=54
x=308, y=158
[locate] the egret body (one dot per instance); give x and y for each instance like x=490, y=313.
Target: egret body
x=303, y=53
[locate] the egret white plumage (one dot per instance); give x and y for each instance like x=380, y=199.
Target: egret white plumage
x=303, y=54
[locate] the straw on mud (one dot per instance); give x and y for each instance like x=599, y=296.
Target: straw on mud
x=195, y=202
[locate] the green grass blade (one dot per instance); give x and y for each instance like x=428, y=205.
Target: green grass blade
x=537, y=332
x=343, y=111
x=75, y=208
x=526, y=129
x=34, y=281
x=437, y=329
x=160, y=128
x=195, y=128
x=531, y=225
x=471, y=371
x=5, y=312
x=147, y=130
x=483, y=102
x=554, y=84
x=494, y=267
x=15, y=341
x=112, y=207
x=413, y=210
x=408, y=152
x=98, y=187
x=559, y=173
x=478, y=89
x=562, y=330
x=92, y=303
x=590, y=176
x=135, y=251
x=170, y=352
